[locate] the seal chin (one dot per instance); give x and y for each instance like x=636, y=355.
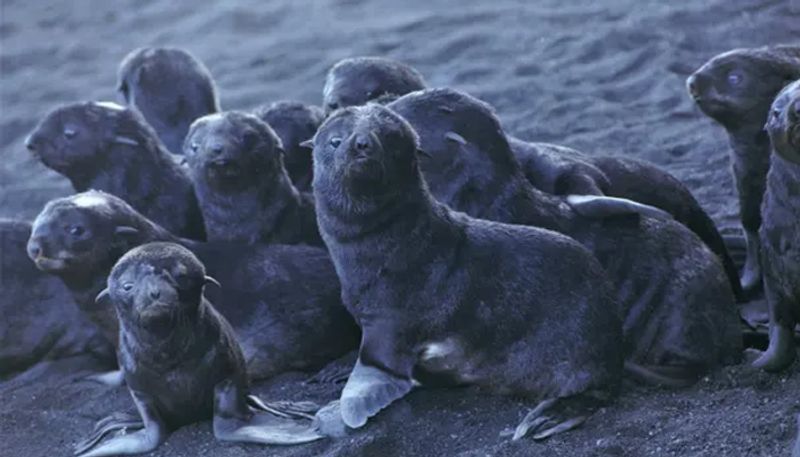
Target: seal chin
x=155, y=314
x=51, y=265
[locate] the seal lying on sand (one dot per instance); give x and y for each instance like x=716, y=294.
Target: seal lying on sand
x=170, y=87
x=245, y=194
x=180, y=359
x=106, y=147
x=294, y=123
x=442, y=296
x=780, y=233
x=680, y=318
x=40, y=320
x=283, y=301
x=736, y=89
x=550, y=168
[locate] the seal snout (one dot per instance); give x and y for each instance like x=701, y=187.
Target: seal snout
x=695, y=84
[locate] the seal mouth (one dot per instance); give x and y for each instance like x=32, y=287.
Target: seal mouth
x=224, y=169
x=51, y=264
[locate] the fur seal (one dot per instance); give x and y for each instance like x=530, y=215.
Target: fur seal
x=40, y=320
x=180, y=359
x=780, y=236
x=355, y=81
x=735, y=89
x=550, y=168
x=103, y=146
x=442, y=296
x=170, y=87
x=283, y=301
x=245, y=194
x=294, y=123
x=680, y=318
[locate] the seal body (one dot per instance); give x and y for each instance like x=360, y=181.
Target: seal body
x=294, y=123
x=283, y=301
x=245, y=193
x=106, y=147
x=780, y=237
x=516, y=309
x=170, y=87
x=355, y=81
x=677, y=304
x=735, y=89
x=40, y=319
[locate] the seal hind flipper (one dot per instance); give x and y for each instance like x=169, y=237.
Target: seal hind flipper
x=369, y=390
x=596, y=206
x=556, y=415
x=247, y=419
x=781, y=351
x=112, y=423
x=144, y=440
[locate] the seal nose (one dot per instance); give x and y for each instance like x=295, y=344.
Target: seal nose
x=155, y=294
x=362, y=144
x=694, y=85
x=34, y=248
x=217, y=149
x=30, y=144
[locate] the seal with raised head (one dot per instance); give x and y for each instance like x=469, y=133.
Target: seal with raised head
x=735, y=89
x=245, y=194
x=40, y=320
x=181, y=360
x=780, y=235
x=294, y=123
x=104, y=146
x=679, y=315
x=283, y=301
x=357, y=80
x=170, y=87
x=442, y=297
x=550, y=168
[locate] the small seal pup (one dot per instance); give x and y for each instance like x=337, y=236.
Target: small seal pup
x=294, y=123
x=680, y=318
x=40, y=320
x=283, y=301
x=550, y=168
x=780, y=235
x=245, y=194
x=355, y=81
x=103, y=146
x=440, y=295
x=180, y=358
x=170, y=87
x=735, y=89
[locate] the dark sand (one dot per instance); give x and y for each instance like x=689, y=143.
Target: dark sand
x=599, y=76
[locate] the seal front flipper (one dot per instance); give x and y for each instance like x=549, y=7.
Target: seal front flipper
x=596, y=206
x=144, y=440
x=242, y=418
x=369, y=390
x=110, y=378
x=556, y=415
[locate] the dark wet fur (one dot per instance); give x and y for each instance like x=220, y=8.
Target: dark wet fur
x=532, y=312
x=294, y=123
x=40, y=320
x=282, y=300
x=678, y=304
x=116, y=151
x=170, y=87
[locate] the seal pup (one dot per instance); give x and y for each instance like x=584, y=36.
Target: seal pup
x=40, y=320
x=170, y=87
x=180, y=358
x=679, y=315
x=440, y=295
x=357, y=80
x=735, y=89
x=104, y=146
x=294, y=123
x=550, y=168
x=780, y=235
x=283, y=301
x=245, y=194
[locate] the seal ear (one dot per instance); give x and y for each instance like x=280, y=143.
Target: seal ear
x=126, y=234
x=308, y=144
x=102, y=295
x=210, y=280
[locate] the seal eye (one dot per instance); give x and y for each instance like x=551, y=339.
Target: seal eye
x=335, y=142
x=69, y=133
x=76, y=230
x=333, y=106
x=194, y=146
x=127, y=286
x=735, y=78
